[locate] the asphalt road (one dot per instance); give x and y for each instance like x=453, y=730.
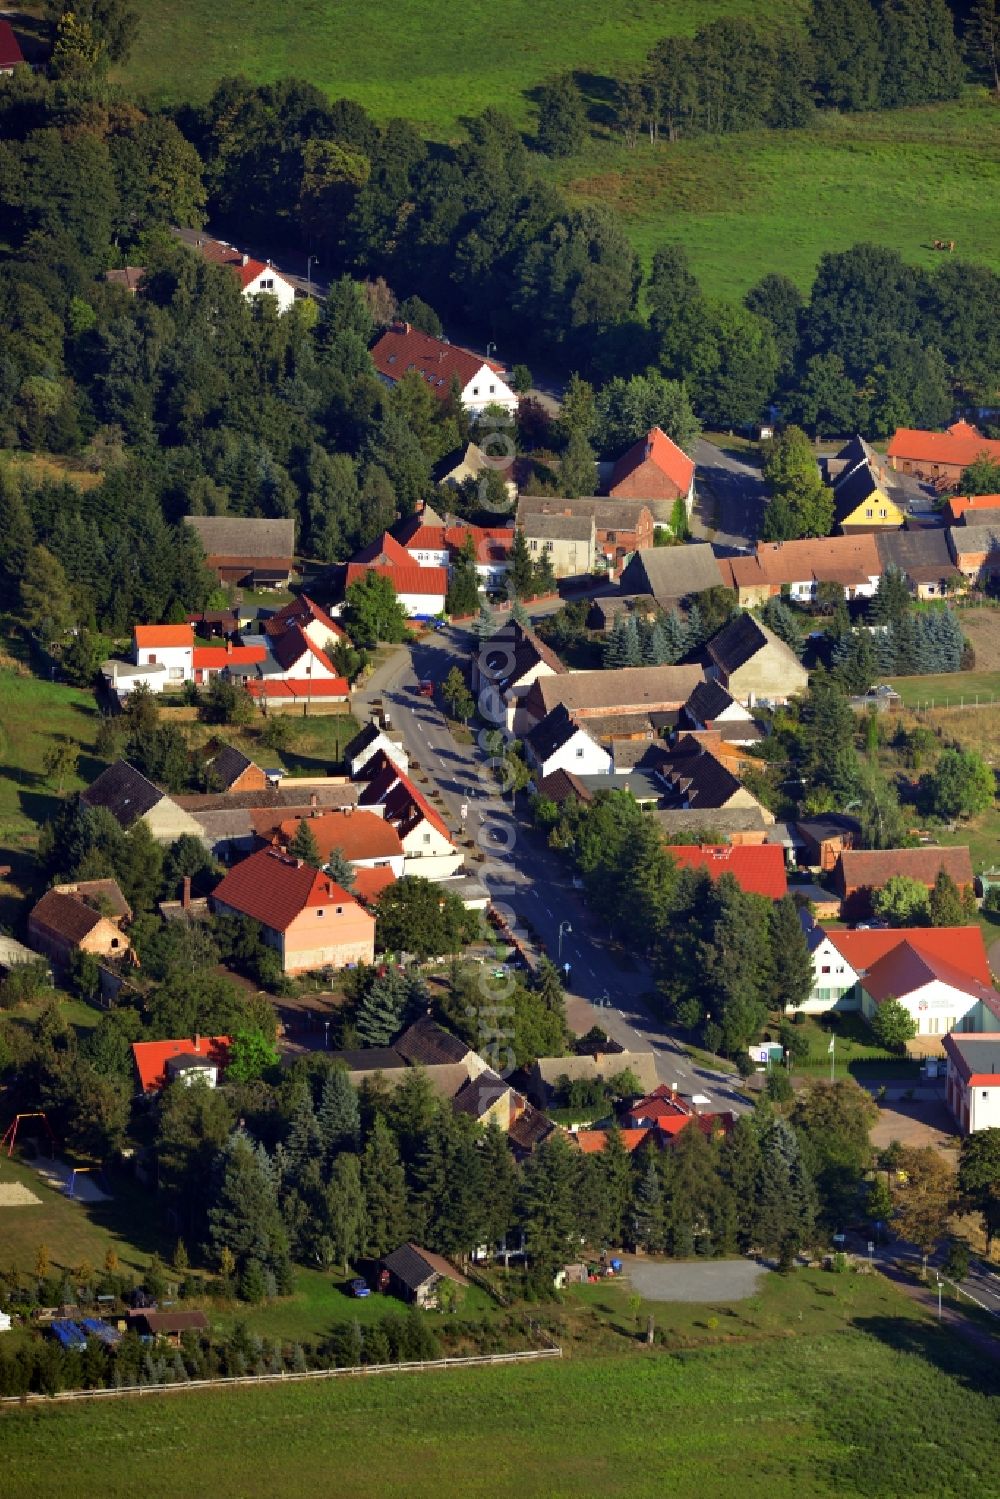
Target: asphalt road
x=731, y=497
x=527, y=877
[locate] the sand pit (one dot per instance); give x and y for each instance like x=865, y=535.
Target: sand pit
x=15, y=1195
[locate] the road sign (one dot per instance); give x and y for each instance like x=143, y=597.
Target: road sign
x=566, y=969
x=871, y=1246
x=464, y=810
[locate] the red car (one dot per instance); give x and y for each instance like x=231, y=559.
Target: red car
x=425, y=689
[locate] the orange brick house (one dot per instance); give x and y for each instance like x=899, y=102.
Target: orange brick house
x=308, y=919
x=72, y=918
x=656, y=470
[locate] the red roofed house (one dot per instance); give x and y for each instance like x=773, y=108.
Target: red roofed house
x=939, y=456
x=437, y=545
x=420, y=590
x=255, y=276
x=758, y=871
x=364, y=838
x=168, y=646
x=317, y=626
x=427, y=844
x=160, y=1062
x=209, y=660
x=940, y=974
x=656, y=470
x=973, y=1087
x=961, y=508
x=308, y=919
x=480, y=381
x=592, y=1141
x=11, y=55
x=859, y=872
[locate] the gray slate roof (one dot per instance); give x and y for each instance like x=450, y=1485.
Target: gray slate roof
x=243, y=536
x=672, y=572
x=124, y=792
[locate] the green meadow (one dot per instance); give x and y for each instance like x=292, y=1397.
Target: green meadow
x=893, y=1407
x=425, y=60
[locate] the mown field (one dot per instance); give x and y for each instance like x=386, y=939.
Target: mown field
x=893, y=1407
x=425, y=60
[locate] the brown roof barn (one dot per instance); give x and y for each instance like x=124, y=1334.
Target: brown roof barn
x=858, y=872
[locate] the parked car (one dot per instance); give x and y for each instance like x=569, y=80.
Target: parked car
x=360, y=1287
x=425, y=688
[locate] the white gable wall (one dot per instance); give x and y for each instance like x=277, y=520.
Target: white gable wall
x=486, y=388
x=271, y=283
x=834, y=982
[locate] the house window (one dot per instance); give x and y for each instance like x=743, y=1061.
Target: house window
x=340, y=910
x=579, y=753
x=534, y=546
x=427, y=837
x=152, y=658
x=492, y=389
x=320, y=912
x=825, y=968
x=114, y=942
x=883, y=513
x=869, y=514
x=548, y=546
x=475, y=390
x=267, y=285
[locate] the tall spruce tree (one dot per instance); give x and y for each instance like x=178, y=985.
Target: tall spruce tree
x=648, y=1213
x=245, y=1218
x=339, y=1116
x=382, y=1009
x=384, y=1184
x=792, y=968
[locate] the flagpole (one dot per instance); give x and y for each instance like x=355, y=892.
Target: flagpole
x=833, y=1057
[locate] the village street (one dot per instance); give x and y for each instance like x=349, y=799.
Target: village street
x=522, y=873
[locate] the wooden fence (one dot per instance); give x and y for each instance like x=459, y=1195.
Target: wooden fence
x=233, y=1381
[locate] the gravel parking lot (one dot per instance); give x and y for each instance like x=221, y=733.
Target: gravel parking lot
x=711, y=1280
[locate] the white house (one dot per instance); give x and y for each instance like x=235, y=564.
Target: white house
x=365, y=746
x=428, y=846
x=168, y=646
x=710, y=706
x=835, y=983
x=403, y=349
x=504, y=669
x=973, y=1086
x=421, y=590
x=259, y=278
x=557, y=743
x=315, y=623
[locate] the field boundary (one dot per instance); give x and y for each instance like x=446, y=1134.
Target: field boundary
x=232, y=1381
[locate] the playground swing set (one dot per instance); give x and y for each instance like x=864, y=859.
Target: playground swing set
x=9, y=1139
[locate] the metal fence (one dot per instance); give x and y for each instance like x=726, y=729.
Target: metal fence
x=523, y=1356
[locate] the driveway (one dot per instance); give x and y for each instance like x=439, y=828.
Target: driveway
x=731, y=497
x=923, y=1119
x=698, y=1280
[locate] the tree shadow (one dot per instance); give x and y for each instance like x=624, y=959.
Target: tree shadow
x=937, y=1346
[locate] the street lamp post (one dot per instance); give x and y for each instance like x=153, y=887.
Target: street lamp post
x=489, y=346
x=309, y=280
x=564, y=926
x=940, y=1288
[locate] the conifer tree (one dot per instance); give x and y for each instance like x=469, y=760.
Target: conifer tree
x=785, y=1214
x=346, y=1208
x=339, y=1117
x=245, y=1218
x=303, y=845
x=384, y=1185
x=380, y=1014
x=304, y=1142
x=547, y=1208
x=792, y=969
x=498, y=1183
x=339, y=868
x=648, y=1216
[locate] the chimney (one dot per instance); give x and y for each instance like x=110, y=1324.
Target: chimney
x=329, y=888
x=313, y=799
x=246, y=260
x=197, y=1041
x=229, y=647
x=186, y=893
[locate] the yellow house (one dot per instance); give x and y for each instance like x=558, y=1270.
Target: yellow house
x=861, y=502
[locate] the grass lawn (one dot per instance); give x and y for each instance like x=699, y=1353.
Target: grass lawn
x=822, y=1407
x=390, y=58
x=948, y=689
x=320, y=1302
x=39, y=468
x=854, y=1044
x=76, y=1231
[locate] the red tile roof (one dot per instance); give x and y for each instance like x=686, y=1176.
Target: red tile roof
x=403, y=348
x=491, y=543
x=961, y=948
x=245, y=267
x=357, y=833
x=163, y=635
x=758, y=871
x=369, y=883
x=959, y=504
x=274, y=687
x=302, y=611
x=592, y=1141
x=215, y=657
x=962, y=444
x=663, y=453
x=384, y=549
x=275, y=888
x=151, y=1057
x=411, y=579
x=10, y=47
x=391, y=789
